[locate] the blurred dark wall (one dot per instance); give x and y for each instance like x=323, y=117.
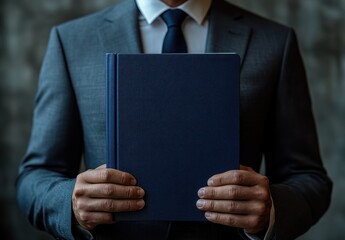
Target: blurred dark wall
x=24, y=31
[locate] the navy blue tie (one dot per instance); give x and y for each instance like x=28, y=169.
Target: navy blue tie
x=174, y=41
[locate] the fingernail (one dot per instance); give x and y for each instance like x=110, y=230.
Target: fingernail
x=200, y=203
x=210, y=182
x=133, y=182
x=208, y=215
x=140, y=192
x=141, y=204
x=201, y=192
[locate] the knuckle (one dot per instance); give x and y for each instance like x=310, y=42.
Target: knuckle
x=87, y=221
x=104, y=175
x=129, y=192
x=238, y=177
x=261, y=208
x=217, y=218
x=84, y=217
x=80, y=205
x=78, y=191
x=211, y=205
x=123, y=178
x=79, y=178
x=254, y=222
x=230, y=221
x=233, y=192
x=108, y=205
x=218, y=180
x=109, y=190
x=265, y=181
x=232, y=206
x=212, y=192
x=262, y=194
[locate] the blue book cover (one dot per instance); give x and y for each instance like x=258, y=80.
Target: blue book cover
x=173, y=121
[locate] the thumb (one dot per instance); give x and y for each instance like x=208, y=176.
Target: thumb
x=245, y=168
x=102, y=166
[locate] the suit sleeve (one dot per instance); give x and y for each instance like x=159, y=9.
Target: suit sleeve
x=47, y=173
x=300, y=187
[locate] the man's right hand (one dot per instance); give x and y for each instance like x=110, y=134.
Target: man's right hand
x=100, y=192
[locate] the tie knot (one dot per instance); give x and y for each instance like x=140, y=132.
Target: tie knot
x=173, y=17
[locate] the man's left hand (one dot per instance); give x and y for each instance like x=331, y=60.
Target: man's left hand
x=237, y=198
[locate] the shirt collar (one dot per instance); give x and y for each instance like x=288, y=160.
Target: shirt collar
x=152, y=9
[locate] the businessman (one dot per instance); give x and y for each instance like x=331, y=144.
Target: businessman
x=277, y=125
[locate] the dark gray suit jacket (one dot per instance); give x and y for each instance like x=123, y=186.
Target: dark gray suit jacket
x=276, y=120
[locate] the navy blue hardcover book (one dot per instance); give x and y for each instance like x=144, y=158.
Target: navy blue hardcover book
x=173, y=122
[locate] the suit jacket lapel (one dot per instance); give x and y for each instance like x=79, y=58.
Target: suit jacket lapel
x=120, y=31
x=226, y=32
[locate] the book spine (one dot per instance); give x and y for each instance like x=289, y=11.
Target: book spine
x=116, y=111
x=110, y=110
x=237, y=111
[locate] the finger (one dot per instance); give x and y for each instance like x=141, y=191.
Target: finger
x=245, y=168
x=233, y=207
x=107, y=175
x=111, y=205
x=228, y=192
x=113, y=191
x=234, y=192
x=237, y=177
x=255, y=223
x=102, y=166
x=89, y=220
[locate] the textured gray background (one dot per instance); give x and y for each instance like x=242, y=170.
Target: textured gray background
x=24, y=29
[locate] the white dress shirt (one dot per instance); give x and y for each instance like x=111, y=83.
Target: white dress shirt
x=195, y=29
x=153, y=28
